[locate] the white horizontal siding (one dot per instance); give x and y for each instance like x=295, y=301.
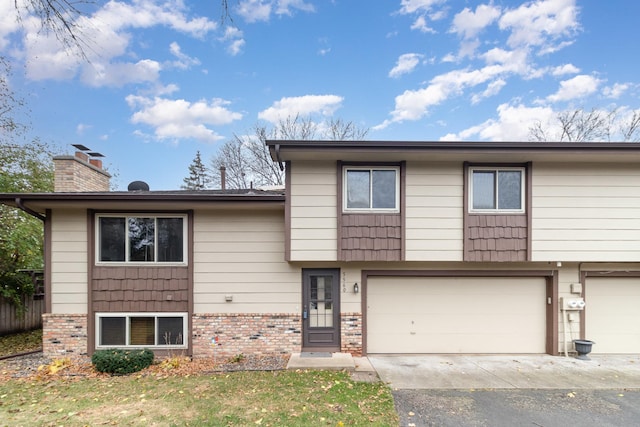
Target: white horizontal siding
x=586, y=212
x=250, y=268
x=434, y=193
x=69, y=261
x=314, y=220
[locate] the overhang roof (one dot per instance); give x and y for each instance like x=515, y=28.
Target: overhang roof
x=473, y=151
x=146, y=200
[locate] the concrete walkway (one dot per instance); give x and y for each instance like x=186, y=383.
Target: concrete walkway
x=482, y=371
x=508, y=372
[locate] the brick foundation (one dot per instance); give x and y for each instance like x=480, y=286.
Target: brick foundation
x=351, y=333
x=246, y=334
x=64, y=335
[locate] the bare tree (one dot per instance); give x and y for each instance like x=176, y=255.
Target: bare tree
x=589, y=126
x=246, y=157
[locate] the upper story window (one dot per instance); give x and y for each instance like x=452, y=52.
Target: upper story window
x=499, y=190
x=371, y=189
x=141, y=238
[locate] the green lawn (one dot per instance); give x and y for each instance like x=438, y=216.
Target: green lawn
x=281, y=398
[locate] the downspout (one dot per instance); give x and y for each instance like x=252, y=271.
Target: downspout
x=30, y=211
x=278, y=158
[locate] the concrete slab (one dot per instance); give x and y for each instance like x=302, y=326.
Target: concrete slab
x=336, y=361
x=507, y=371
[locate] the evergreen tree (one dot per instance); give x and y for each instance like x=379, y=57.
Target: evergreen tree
x=199, y=177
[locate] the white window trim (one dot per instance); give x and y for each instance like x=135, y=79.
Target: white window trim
x=185, y=240
x=345, y=209
x=127, y=315
x=497, y=169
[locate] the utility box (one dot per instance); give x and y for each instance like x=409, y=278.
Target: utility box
x=572, y=303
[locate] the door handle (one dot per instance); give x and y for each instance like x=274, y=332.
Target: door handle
x=305, y=314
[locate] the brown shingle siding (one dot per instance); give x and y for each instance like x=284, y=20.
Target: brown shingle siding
x=135, y=289
x=371, y=237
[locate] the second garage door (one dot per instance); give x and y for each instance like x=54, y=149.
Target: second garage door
x=613, y=314
x=489, y=315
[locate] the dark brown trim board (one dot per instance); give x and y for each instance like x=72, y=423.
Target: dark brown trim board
x=287, y=212
x=190, y=281
x=91, y=260
x=551, y=277
x=47, y=260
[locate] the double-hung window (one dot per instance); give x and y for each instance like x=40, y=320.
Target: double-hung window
x=497, y=190
x=374, y=189
x=141, y=238
x=141, y=330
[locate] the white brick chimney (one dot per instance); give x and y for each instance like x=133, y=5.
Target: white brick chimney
x=79, y=173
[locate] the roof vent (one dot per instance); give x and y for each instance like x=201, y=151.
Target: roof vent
x=138, y=186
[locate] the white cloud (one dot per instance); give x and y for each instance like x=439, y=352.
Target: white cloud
x=513, y=124
x=261, y=10
x=406, y=64
x=414, y=104
x=235, y=37
x=421, y=25
x=413, y=6
x=305, y=105
x=565, y=69
x=176, y=119
x=82, y=128
x=577, y=87
x=493, y=88
x=540, y=22
x=108, y=38
x=616, y=90
x=468, y=24
x=183, y=61
x=117, y=74
x=8, y=22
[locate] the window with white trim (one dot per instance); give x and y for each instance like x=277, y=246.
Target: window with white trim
x=375, y=189
x=496, y=190
x=141, y=239
x=123, y=330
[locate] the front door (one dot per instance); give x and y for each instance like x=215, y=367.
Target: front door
x=321, y=310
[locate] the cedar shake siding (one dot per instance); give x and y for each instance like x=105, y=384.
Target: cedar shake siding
x=496, y=238
x=371, y=237
x=140, y=289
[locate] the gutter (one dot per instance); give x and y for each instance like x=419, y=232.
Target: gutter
x=278, y=158
x=31, y=212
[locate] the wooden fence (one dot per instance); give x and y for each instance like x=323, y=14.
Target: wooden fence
x=11, y=318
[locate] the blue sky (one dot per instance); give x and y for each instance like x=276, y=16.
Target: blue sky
x=167, y=78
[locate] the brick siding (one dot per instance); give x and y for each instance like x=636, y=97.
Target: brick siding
x=260, y=334
x=64, y=335
x=351, y=333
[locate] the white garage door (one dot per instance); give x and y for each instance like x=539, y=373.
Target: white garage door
x=456, y=315
x=613, y=314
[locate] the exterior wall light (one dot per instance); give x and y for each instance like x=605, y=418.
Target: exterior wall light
x=356, y=288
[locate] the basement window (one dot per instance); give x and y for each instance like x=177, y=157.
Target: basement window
x=141, y=239
x=161, y=330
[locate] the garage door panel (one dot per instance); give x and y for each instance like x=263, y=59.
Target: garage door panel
x=613, y=314
x=456, y=315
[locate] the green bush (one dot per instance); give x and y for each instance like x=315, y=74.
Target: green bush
x=121, y=362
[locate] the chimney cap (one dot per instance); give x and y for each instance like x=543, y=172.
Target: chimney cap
x=81, y=147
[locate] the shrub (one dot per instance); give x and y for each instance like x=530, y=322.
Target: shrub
x=121, y=362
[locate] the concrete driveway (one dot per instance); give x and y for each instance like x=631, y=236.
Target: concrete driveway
x=507, y=371
x=518, y=390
